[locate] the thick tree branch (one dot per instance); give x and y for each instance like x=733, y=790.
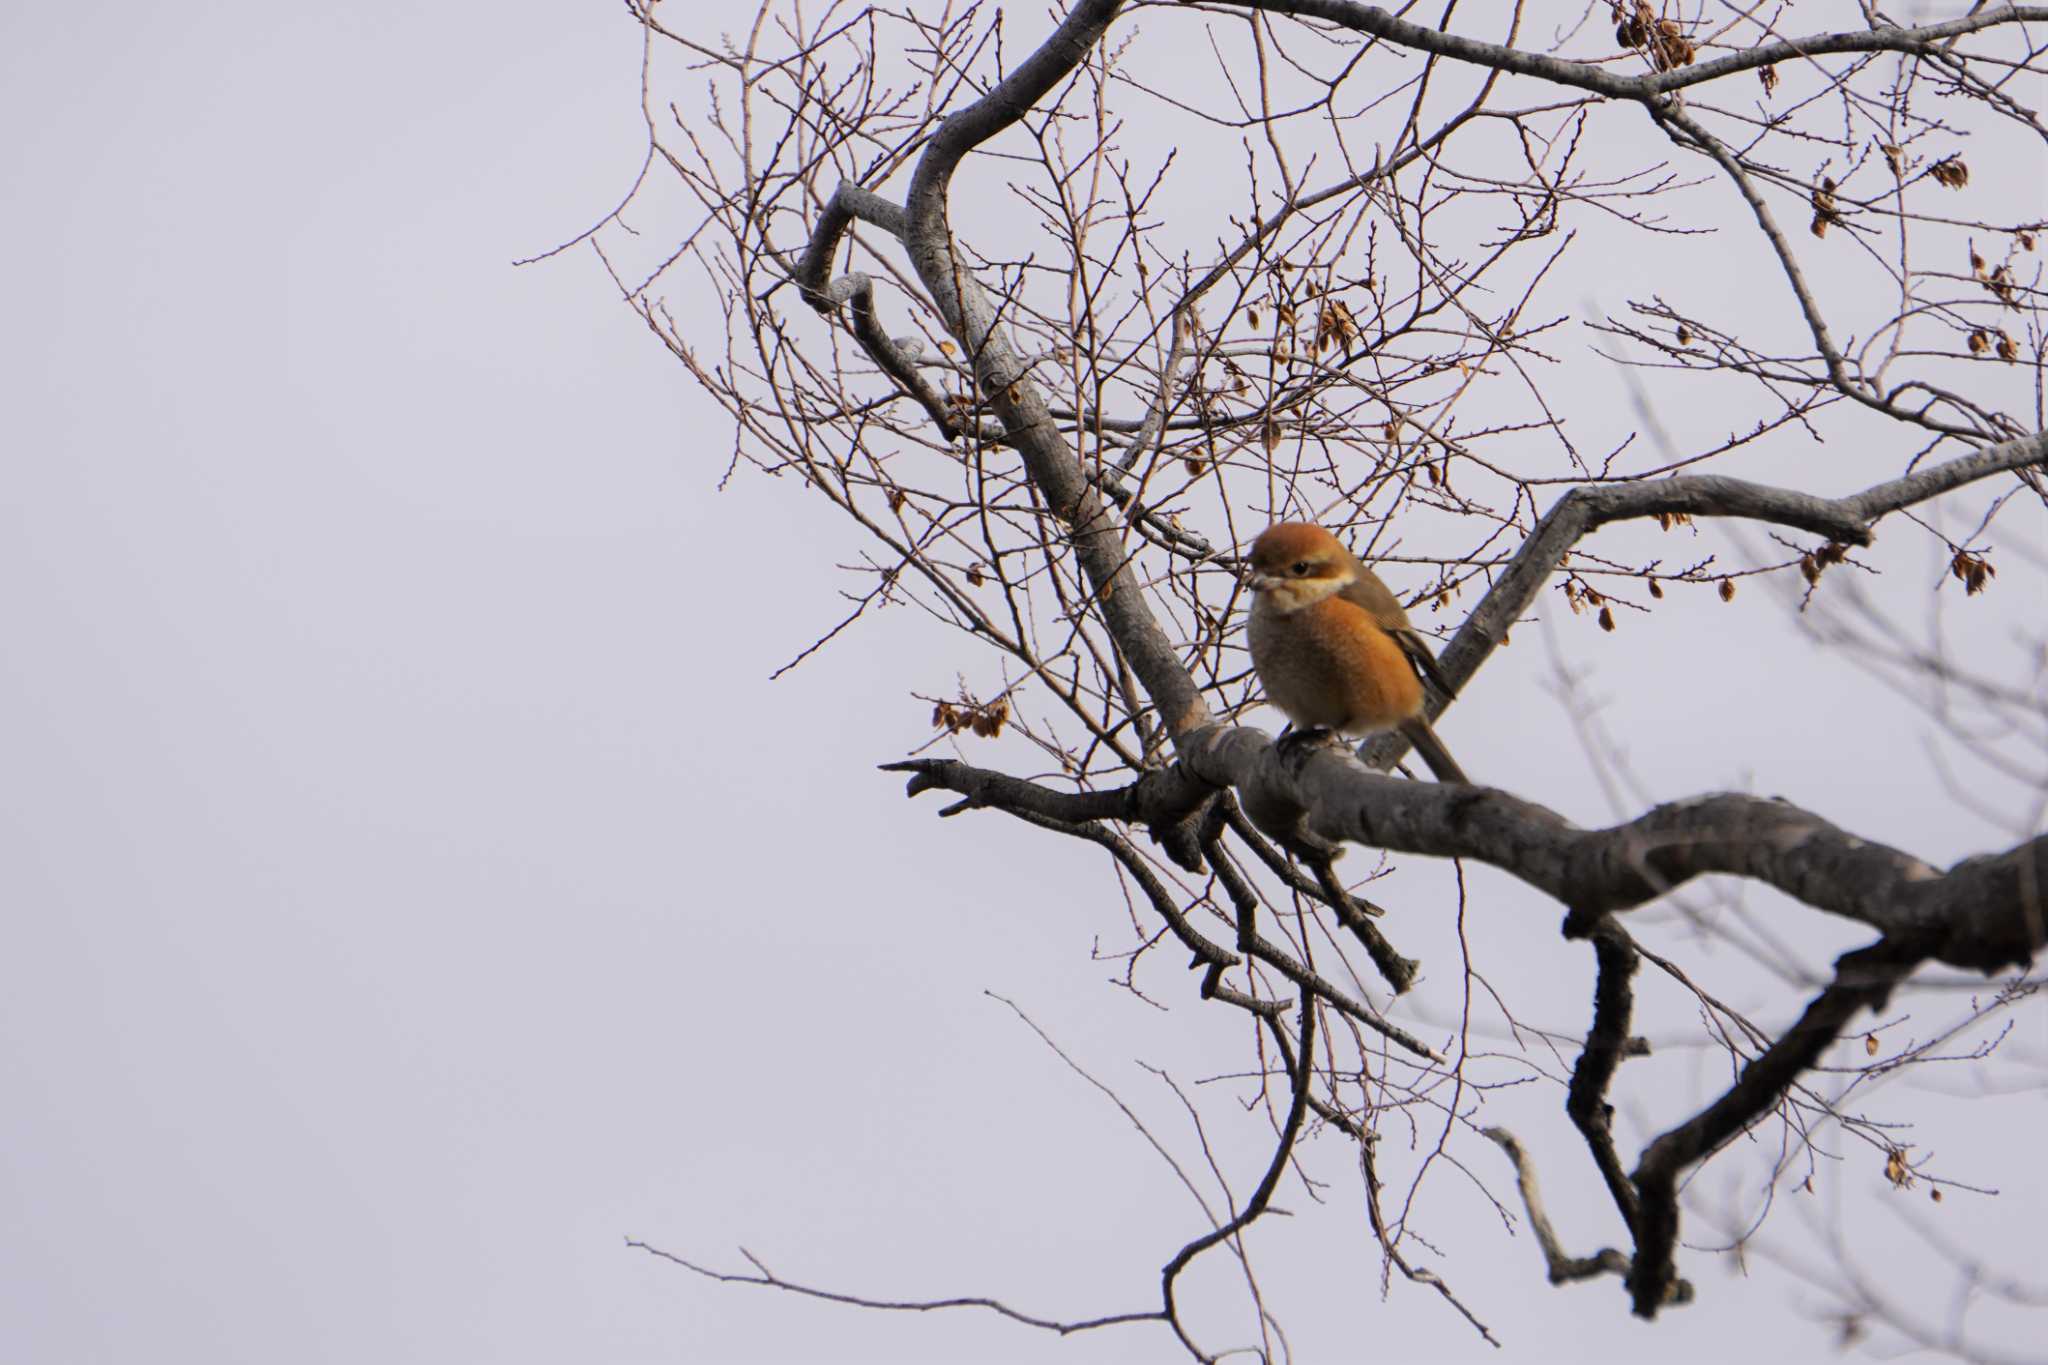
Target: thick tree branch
x=1984, y=914
x=1607, y=1042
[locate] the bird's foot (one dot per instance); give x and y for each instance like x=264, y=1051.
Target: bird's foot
x=1297, y=744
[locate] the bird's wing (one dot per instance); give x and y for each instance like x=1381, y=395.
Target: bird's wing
x=1416, y=646
x=1365, y=590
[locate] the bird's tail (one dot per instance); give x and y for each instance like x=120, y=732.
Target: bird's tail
x=1433, y=752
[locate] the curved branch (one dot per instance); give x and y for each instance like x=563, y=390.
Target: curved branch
x=1014, y=396
x=1584, y=510
x=1863, y=980
x=1299, y=1077
x=1584, y=76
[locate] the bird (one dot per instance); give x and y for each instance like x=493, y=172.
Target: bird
x=1333, y=647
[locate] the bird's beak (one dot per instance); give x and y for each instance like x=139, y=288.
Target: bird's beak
x=1260, y=582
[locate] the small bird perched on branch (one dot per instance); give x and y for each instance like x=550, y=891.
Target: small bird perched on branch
x=1333, y=647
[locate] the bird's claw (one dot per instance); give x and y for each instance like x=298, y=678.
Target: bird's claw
x=1297, y=744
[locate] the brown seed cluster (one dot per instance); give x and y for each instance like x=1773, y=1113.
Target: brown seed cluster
x=1999, y=282
x=1950, y=172
x=1335, y=327
x=985, y=720
x=1985, y=339
x=1825, y=212
x=1814, y=561
x=1972, y=571
x=1636, y=25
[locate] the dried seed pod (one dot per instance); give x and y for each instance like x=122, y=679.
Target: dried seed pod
x=1809, y=569
x=1980, y=341
x=1607, y=618
x=1656, y=589
x=1974, y=571
x=1727, y=590
x=1826, y=214
x=2008, y=349
x=2001, y=284
x=1950, y=172
x=1769, y=76
x=1684, y=335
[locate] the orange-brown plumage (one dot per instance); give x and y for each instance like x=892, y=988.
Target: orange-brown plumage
x=1333, y=646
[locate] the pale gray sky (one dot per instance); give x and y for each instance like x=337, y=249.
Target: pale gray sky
x=413, y=888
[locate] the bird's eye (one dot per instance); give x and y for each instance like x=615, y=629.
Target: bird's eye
x=1301, y=568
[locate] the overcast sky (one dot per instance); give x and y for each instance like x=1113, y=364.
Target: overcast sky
x=413, y=887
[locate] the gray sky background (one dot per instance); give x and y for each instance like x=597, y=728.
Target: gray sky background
x=414, y=888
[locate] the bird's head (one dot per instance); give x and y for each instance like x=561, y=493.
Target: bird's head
x=1295, y=563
